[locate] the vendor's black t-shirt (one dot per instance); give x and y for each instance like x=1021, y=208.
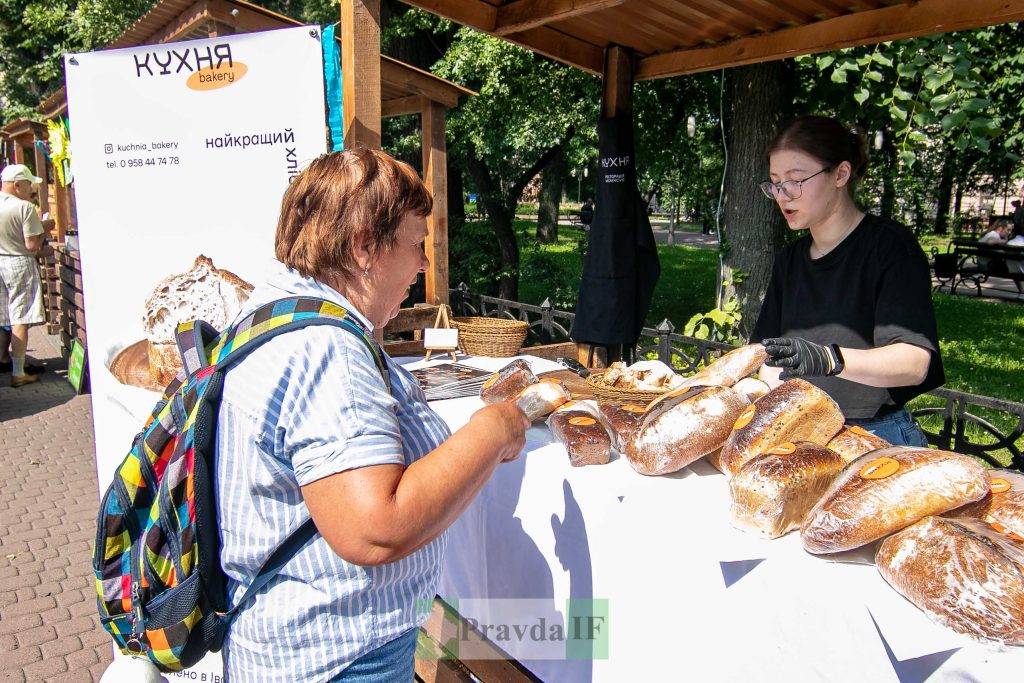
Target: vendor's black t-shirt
x=872, y=289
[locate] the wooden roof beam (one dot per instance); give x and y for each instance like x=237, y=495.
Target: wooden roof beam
x=526, y=14
x=542, y=39
x=897, y=22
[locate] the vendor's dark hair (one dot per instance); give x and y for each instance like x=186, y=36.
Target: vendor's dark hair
x=825, y=139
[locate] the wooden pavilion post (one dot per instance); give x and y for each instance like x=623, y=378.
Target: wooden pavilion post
x=435, y=177
x=616, y=100
x=360, y=66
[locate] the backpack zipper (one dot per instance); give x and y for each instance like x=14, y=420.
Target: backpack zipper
x=137, y=615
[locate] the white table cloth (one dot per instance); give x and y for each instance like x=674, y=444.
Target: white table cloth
x=689, y=597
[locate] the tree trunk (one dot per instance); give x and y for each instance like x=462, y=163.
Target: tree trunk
x=552, y=182
x=945, y=195
x=888, y=207
x=456, y=198
x=501, y=214
x=758, y=98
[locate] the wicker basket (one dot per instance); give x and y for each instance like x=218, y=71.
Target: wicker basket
x=608, y=393
x=494, y=337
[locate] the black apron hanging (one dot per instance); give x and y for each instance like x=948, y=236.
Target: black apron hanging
x=621, y=267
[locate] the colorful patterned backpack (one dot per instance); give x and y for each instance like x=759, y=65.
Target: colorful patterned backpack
x=162, y=592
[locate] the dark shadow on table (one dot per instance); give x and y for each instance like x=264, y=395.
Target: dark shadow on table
x=572, y=548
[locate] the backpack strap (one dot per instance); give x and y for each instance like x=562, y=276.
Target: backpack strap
x=285, y=315
x=193, y=336
x=286, y=550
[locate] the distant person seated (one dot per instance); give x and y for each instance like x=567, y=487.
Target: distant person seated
x=1014, y=266
x=587, y=213
x=999, y=229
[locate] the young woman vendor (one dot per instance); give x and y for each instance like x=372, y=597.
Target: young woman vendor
x=849, y=305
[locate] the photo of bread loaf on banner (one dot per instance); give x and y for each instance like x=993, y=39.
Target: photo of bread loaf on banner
x=203, y=292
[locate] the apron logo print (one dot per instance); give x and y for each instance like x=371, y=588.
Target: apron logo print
x=615, y=162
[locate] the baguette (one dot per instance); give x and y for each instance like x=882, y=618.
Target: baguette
x=730, y=368
x=772, y=494
x=963, y=574
x=1004, y=505
x=683, y=429
x=796, y=410
x=887, y=490
x=508, y=383
x=853, y=442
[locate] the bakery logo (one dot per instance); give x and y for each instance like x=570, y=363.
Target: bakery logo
x=1000, y=485
x=880, y=468
x=784, y=449
x=615, y=162
x=209, y=67
x=745, y=417
x=582, y=421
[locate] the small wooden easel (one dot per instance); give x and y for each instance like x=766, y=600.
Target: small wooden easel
x=447, y=345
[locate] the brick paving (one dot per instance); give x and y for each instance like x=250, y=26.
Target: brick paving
x=49, y=630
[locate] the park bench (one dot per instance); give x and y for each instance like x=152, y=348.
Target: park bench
x=968, y=260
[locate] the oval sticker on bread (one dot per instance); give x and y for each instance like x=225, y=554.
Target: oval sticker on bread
x=860, y=431
x=567, y=405
x=634, y=408
x=490, y=381
x=745, y=417
x=784, y=448
x=999, y=528
x=582, y=421
x=880, y=468
x=1000, y=485
x=551, y=380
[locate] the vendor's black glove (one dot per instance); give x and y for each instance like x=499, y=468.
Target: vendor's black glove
x=800, y=358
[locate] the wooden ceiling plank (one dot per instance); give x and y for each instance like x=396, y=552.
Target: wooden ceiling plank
x=410, y=81
x=521, y=15
x=896, y=22
x=560, y=46
x=711, y=19
x=785, y=12
x=472, y=13
x=400, y=106
x=705, y=27
x=727, y=12
x=655, y=24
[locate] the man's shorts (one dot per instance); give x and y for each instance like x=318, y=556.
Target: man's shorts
x=21, y=291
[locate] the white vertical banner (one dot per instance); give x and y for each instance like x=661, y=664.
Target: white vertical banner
x=182, y=153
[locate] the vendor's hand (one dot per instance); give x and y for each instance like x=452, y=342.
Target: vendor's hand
x=509, y=424
x=798, y=357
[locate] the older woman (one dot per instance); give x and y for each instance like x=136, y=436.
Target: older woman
x=307, y=427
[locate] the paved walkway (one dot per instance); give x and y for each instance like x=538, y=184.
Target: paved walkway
x=49, y=630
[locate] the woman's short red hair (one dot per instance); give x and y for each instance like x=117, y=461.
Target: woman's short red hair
x=341, y=200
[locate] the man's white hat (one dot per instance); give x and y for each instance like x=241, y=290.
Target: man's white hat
x=15, y=172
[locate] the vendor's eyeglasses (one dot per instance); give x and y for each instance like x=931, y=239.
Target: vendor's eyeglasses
x=792, y=189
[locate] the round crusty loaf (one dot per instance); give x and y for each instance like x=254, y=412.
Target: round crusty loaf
x=962, y=574
x=852, y=442
x=772, y=494
x=1004, y=505
x=796, y=410
x=203, y=292
x=682, y=429
x=730, y=368
x=887, y=490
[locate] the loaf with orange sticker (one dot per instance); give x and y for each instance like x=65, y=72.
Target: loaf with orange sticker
x=684, y=428
x=963, y=574
x=887, y=490
x=852, y=442
x=507, y=383
x=795, y=410
x=1003, y=505
x=576, y=426
x=623, y=420
x=772, y=494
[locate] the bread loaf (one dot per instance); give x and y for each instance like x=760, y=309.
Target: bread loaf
x=730, y=368
x=752, y=388
x=1004, y=504
x=203, y=292
x=887, y=490
x=795, y=410
x=623, y=420
x=540, y=399
x=585, y=438
x=962, y=574
x=508, y=382
x=852, y=442
x=676, y=432
x=772, y=494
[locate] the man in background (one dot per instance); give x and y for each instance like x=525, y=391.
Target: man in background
x=22, y=239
